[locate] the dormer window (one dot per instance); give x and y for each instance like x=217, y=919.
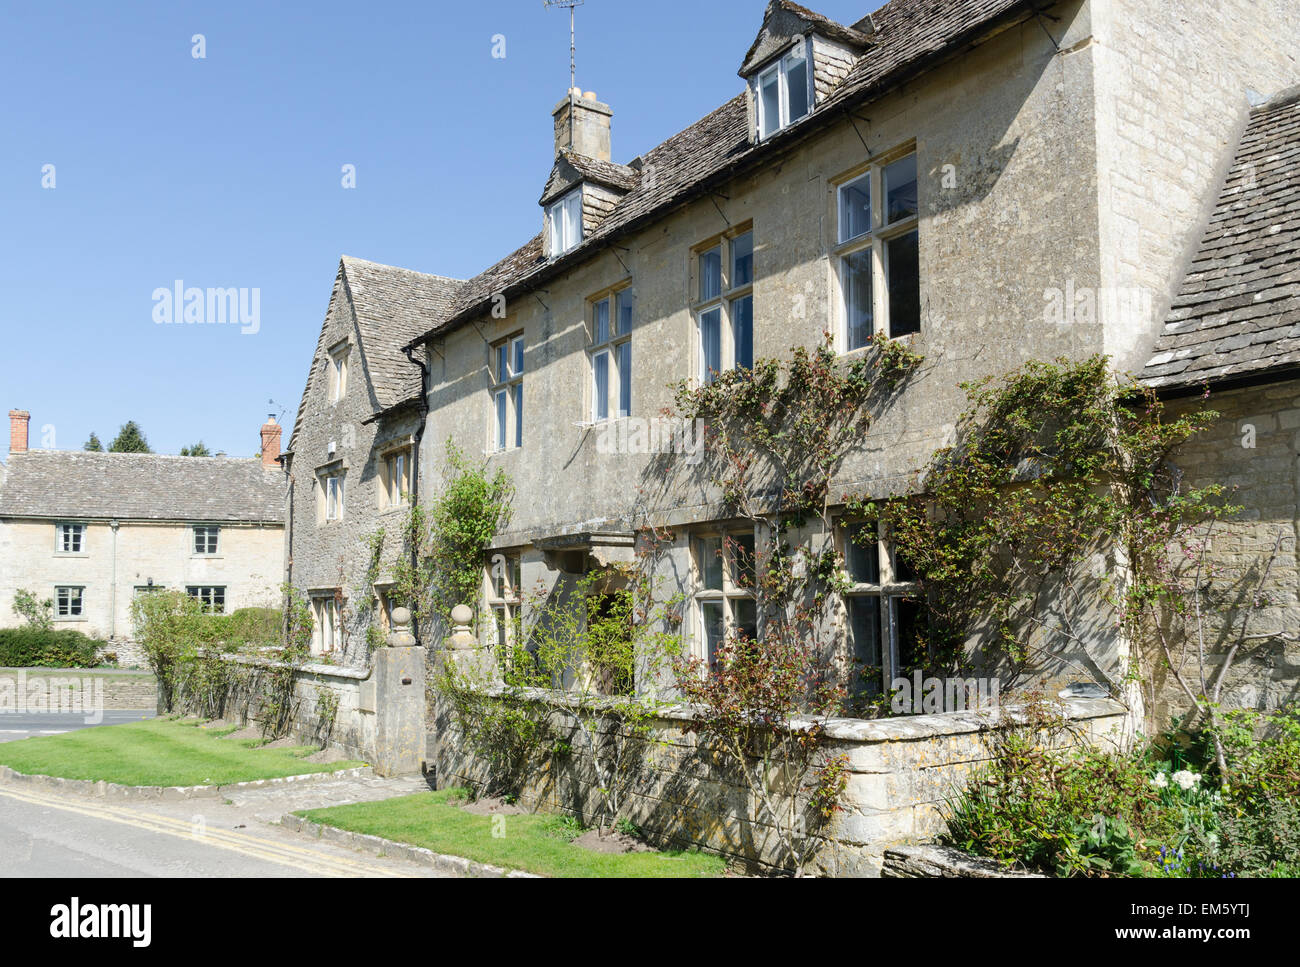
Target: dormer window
x=784, y=90
x=564, y=222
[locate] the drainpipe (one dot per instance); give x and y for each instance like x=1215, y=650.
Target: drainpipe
x=112, y=600
x=415, y=461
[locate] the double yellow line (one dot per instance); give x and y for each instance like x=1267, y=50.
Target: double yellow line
x=257, y=847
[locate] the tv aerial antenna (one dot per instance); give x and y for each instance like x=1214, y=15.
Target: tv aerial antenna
x=573, y=46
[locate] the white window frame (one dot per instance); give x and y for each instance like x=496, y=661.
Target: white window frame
x=733, y=588
x=875, y=243
x=215, y=541
x=395, y=478
x=564, y=223
x=333, y=494
x=505, y=413
x=69, y=602
x=338, y=371
x=327, y=624
x=780, y=67
x=731, y=291
x=616, y=349
x=67, y=534
x=890, y=589
x=503, y=599
x=208, y=595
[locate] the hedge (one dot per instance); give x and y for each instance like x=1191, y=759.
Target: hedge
x=29, y=647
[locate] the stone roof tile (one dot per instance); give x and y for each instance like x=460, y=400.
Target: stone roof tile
x=80, y=485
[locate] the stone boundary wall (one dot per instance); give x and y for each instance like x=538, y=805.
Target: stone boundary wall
x=122, y=690
x=380, y=709
x=681, y=793
x=353, y=731
x=127, y=654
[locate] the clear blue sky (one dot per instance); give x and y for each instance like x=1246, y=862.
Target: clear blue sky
x=225, y=172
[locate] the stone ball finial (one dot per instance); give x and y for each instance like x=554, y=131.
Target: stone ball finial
x=461, y=615
x=401, y=617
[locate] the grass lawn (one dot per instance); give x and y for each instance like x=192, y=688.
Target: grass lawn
x=157, y=752
x=535, y=843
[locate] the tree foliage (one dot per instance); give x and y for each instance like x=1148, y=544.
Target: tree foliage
x=130, y=439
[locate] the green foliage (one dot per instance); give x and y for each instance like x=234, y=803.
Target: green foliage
x=443, y=561
x=37, y=612
x=327, y=712
x=130, y=439
x=777, y=434
x=93, y=445
x=509, y=734
x=1261, y=818
x=36, y=647
x=197, y=450
x=191, y=652
x=598, y=644
x=1148, y=812
x=1050, y=461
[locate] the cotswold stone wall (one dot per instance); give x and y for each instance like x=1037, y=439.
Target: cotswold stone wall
x=352, y=732
x=379, y=714
x=681, y=793
x=1254, y=450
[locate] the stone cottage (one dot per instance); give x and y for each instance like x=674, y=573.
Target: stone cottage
x=990, y=181
x=90, y=531
x=351, y=456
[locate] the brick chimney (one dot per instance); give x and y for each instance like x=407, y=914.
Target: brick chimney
x=588, y=134
x=270, y=441
x=18, y=420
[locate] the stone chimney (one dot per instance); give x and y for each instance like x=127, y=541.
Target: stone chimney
x=18, y=420
x=270, y=441
x=582, y=125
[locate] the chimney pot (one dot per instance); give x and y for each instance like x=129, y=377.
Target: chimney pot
x=18, y=421
x=270, y=442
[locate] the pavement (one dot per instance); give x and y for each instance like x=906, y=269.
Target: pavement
x=25, y=725
x=47, y=835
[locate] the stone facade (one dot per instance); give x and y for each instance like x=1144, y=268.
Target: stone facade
x=1067, y=161
x=328, y=557
x=148, y=554
x=1253, y=449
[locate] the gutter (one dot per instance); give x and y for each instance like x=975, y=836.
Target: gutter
x=780, y=144
x=1263, y=377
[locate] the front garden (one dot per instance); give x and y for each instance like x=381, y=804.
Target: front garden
x=1162, y=810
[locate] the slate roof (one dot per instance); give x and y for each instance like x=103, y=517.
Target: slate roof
x=619, y=177
x=78, y=485
x=394, y=305
x=910, y=35
x=1238, y=312
x=850, y=36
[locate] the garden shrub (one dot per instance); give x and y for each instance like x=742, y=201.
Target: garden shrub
x=1159, y=810
x=36, y=647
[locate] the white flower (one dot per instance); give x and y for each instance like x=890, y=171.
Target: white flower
x=1159, y=780
x=1185, y=779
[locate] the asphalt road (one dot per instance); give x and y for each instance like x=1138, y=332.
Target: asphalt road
x=24, y=725
x=44, y=835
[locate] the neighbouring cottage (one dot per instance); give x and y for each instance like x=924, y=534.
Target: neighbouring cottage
x=90, y=531
x=989, y=181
